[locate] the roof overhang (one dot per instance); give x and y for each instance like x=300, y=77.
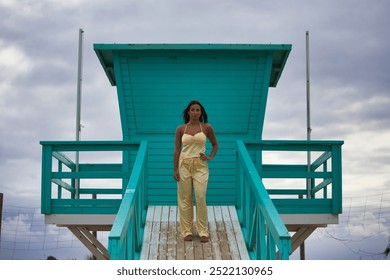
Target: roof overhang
x=280, y=54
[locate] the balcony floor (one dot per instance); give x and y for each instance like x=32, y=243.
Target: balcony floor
x=162, y=240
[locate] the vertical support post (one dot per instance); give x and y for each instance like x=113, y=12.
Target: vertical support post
x=336, y=180
x=302, y=251
x=271, y=246
x=145, y=195
x=78, y=109
x=240, y=188
x=247, y=213
x=261, y=236
x=47, y=161
x=308, y=180
x=59, y=188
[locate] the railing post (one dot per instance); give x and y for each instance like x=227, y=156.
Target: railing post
x=113, y=246
x=248, y=219
x=46, y=179
x=336, y=179
x=325, y=191
x=261, y=237
x=144, y=188
x=271, y=252
x=284, y=249
x=239, y=189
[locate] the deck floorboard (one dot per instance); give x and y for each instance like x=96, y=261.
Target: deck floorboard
x=162, y=240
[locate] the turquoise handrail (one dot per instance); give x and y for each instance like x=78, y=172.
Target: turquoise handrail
x=259, y=212
x=125, y=239
x=263, y=228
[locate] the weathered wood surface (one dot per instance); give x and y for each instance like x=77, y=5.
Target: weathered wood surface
x=162, y=240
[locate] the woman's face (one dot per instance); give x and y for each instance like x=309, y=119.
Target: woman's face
x=195, y=112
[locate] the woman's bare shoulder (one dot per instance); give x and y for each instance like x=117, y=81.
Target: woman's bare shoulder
x=207, y=126
x=180, y=128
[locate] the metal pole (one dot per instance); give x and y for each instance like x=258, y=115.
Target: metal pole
x=308, y=111
x=308, y=180
x=78, y=109
x=1, y=212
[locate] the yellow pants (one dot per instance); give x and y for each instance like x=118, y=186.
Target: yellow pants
x=194, y=174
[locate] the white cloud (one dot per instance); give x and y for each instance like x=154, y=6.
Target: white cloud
x=35, y=8
x=13, y=62
x=367, y=224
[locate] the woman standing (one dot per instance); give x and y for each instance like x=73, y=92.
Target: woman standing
x=191, y=168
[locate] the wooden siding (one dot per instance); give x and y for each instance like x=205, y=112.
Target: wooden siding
x=156, y=82
x=162, y=188
x=154, y=90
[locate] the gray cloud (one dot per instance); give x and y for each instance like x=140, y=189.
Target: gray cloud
x=348, y=59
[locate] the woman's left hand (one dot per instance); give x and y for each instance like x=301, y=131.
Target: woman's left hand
x=204, y=157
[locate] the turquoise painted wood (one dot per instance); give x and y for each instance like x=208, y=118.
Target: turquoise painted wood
x=58, y=191
x=325, y=184
x=265, y=231
x=129, y=203
x=156, y=82
x=126, y=236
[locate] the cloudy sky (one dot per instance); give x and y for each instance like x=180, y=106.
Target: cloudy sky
x=349, y=63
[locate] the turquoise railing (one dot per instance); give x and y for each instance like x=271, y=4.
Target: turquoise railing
x=321, y=192
x=125, y=239
x=259, y=206
x=66, y=183
x=64, y=190
x=262, y=227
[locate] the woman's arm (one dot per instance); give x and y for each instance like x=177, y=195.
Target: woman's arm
x=176, y=153
x=210, y=133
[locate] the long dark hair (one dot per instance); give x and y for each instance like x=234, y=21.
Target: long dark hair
x=203, y=117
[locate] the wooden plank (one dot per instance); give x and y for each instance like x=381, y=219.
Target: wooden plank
x=207, y=251
x=189, y=250
x=101, y=250
x=172, y=233
x=180, y=247
x=94, y=245
x=214, y=241
x=225, y=253
x=300, y=236
x=238, y=233
x=230, y=234
x=147, y=233
x=189, y=246
x=202, y=251
x=163, y=240
x=198, y=249
x=154, y=241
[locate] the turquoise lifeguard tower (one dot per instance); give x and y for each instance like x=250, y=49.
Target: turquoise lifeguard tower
x=127, y=187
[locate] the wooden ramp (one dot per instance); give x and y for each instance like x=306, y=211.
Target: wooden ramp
x=162, y=240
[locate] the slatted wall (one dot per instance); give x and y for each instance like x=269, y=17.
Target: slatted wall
x=155, y=85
